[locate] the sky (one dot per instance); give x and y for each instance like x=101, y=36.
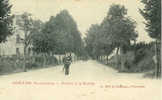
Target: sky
x=84, y=12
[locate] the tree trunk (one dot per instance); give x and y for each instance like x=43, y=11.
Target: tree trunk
x=74, y=58
x=25, y=52
x=117, y=51
x=157, y=60
x=24, y=66
x=107, y=59
x=122, y=60
x=45, y=61
x=101, y=58
x=59, y=59
x=117, y=58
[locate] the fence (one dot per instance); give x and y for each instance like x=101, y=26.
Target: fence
x=11, y=64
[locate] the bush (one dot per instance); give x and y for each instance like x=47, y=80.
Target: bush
x=6, y=67
x=9, y=65
x=40, y=61
x=115, y=61
x=137, y=59
x=15, y=64
x=51, y=60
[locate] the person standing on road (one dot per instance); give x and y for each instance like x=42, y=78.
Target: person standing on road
x=67, y=62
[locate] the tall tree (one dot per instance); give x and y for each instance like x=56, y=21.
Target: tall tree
x=5, y=20
x=116, y=31
x=97, y=43
x=152, y=15
x=120, y=29
x=68, y=33
x=25, y=23
x=60, y=34
x=36, y=36
x=91, y=40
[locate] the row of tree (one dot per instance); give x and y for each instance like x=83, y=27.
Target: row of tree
x=56, y=36
x=59, y=35
x=117, y=30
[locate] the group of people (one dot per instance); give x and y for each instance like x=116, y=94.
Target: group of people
x=67, y=60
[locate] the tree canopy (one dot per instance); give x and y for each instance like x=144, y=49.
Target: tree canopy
x=5, y=20
x=118, y=27
x=152, y=15
x=59, y=35
x=117, y=30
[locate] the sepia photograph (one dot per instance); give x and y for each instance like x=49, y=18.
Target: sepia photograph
x=80, y=50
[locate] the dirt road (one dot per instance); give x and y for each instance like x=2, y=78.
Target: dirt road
x=87, y=81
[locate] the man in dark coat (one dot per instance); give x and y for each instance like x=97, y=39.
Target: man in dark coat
x=67, y=61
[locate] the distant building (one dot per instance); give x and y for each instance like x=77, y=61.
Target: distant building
x=15, y=43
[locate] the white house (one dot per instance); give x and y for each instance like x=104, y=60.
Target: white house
x=14, y=44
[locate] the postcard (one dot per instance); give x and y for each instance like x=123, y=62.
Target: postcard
x=80, y=50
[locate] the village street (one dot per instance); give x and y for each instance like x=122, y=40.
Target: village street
x=88, y=80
